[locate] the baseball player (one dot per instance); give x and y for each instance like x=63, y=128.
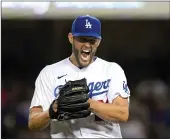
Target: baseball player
x=82, y=96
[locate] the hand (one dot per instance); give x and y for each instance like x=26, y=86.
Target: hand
x=91, y=102
x=53, y=110
x=55, y=106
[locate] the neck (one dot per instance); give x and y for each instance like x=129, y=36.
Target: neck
x=73, y=60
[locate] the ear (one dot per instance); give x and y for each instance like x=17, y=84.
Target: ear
x=98, y=42
x=70, y=38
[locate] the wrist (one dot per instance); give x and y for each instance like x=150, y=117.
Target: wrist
x=47, y=114
x=92, y=103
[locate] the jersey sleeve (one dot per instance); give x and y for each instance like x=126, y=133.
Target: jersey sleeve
x=118, y=84
x=43, y=90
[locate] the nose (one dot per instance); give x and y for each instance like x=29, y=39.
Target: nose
x=87, y=44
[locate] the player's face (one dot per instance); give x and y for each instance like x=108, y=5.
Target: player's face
x=84, y=49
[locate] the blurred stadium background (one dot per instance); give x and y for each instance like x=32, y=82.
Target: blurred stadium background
x=135, y=34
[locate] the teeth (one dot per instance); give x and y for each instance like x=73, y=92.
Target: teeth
x=86, y=51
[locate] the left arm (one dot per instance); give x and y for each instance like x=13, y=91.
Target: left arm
x=117, y=108
x=117, y=111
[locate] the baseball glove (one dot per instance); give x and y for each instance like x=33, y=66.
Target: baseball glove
x=72, y=101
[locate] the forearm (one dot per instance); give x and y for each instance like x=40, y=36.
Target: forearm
x=39, y=120
x=106, y=118
x=109, y=112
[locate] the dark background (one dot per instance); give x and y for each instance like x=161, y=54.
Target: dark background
x=141, y=47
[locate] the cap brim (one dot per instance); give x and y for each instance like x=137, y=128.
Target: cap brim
x=87, y=34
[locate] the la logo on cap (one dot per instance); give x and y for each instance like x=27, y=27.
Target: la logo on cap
x=88, y=24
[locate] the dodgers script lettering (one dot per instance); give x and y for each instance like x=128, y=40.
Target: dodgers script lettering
x=95, y=88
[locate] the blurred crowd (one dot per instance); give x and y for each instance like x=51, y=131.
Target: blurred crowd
x=149, y=110
x=16, y=98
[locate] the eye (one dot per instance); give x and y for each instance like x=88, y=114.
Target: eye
x=83, y=40
x=92, y=41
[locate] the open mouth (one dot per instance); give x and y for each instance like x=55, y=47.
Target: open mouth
x=85, y=55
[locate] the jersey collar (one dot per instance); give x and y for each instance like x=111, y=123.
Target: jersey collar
x=79, y=69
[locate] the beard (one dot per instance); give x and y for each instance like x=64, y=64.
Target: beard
x=77, y=54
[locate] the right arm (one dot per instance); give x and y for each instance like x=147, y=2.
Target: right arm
x=39, y=117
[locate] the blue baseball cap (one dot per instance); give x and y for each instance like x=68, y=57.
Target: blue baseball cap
x=86, y=26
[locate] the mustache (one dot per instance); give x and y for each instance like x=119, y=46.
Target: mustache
x=85, y=47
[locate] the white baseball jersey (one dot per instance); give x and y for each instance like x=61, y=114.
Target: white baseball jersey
x=106, y=81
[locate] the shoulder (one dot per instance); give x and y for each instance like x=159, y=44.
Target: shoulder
x=111, y=66
x=115, y=71
x=52, y=68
